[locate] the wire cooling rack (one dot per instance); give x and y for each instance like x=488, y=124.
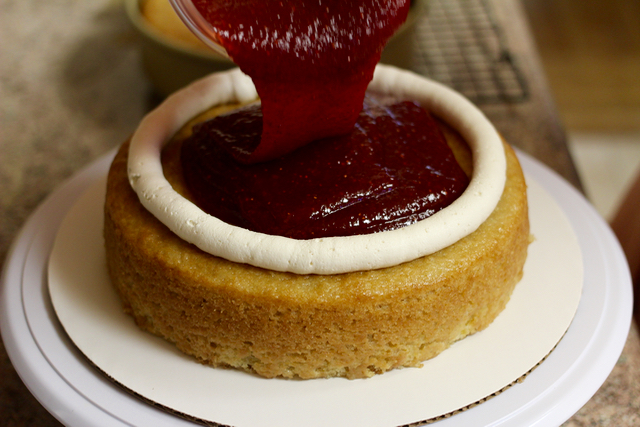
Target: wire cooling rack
x=459, y=43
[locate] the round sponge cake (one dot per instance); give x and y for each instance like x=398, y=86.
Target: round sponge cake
x=278, y=324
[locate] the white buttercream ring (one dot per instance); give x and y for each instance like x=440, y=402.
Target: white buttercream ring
x=331, y=255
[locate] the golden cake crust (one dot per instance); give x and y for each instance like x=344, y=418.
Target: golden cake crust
x=275, y=324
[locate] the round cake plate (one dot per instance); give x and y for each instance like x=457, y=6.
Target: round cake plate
x=77, y=394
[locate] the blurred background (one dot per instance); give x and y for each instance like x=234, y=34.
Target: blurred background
x=590, y=51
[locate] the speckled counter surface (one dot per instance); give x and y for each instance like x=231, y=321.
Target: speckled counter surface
x=71, y=89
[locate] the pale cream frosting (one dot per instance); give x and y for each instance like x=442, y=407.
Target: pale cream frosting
x=330, y=255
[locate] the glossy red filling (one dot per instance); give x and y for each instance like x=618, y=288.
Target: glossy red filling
x=393, y=169
x=308, y=160
x=310, y=60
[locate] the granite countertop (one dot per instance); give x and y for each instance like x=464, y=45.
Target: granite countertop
x=72, y=89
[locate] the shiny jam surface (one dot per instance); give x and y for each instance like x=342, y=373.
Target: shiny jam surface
x=394, y=168
x=310, y=60
x=308, y=160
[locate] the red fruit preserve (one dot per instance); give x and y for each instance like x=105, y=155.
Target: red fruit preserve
x=309, y=160
x=393, y=169
x=310, y=60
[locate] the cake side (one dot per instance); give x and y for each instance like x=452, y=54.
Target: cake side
x=283, y=324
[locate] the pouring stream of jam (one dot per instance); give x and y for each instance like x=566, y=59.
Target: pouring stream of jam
x=310, y=60
x=309, y=160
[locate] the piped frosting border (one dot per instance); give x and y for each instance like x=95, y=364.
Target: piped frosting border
x=331, y=255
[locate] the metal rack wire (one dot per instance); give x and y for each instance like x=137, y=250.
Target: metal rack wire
x=459, y=43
